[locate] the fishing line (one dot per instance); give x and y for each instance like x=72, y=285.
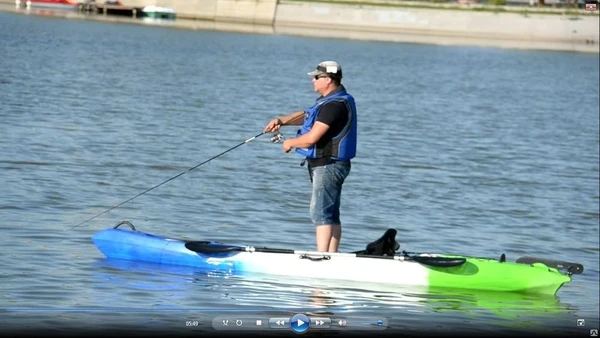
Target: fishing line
x=277, y=138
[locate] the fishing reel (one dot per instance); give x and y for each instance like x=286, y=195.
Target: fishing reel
x=277, y=138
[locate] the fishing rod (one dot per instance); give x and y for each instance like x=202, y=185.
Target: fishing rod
x=274, y=139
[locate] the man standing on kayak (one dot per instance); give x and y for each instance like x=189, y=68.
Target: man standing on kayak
x=327, y=140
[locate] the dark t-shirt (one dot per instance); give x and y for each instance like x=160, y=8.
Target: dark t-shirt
x=335, y=115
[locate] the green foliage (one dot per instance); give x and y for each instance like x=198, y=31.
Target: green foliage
x=497, y=2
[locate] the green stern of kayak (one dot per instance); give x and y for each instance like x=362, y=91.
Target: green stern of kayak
x=494, y=275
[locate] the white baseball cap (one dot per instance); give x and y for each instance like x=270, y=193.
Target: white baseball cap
x=331, y=68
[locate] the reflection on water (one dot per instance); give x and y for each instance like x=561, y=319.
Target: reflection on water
x=275, y=294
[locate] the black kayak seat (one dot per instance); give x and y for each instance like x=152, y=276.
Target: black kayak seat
x=386, y=245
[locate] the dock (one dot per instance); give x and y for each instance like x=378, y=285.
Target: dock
x=112, y=9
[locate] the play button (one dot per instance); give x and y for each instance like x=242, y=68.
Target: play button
x=299, y=323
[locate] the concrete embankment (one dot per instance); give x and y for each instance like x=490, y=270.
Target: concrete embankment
x=394, y=20
x=442, y=26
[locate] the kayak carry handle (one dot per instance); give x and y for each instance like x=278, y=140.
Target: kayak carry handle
x=571, y=268
x=315, y=259
x=125, y=222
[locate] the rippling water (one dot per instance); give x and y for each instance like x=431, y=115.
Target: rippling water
x=464, y=150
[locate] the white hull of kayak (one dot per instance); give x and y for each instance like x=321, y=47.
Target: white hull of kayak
x=338, y=266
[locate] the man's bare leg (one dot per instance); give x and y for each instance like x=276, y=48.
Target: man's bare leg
x=328, y=237
x=336, y=236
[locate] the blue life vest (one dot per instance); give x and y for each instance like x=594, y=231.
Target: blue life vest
x=343, y=144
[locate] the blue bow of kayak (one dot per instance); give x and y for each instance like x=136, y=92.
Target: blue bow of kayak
x=139, y=246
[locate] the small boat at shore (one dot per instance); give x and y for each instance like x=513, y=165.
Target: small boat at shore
x=156, y=12
x=378, y=263
x=50, y=4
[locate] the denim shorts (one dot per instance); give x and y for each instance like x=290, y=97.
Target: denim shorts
x=327, y=183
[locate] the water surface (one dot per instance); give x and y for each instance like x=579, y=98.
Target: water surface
x=465, y=150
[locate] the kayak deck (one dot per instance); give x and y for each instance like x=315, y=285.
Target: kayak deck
x=404, y=269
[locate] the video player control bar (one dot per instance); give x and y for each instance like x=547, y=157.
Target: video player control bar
x=298, y=323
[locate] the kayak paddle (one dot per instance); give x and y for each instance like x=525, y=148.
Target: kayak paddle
x=216, y=248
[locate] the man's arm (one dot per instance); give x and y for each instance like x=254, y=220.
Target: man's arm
x=304, y=141
x=329, y=114
x=293, y=119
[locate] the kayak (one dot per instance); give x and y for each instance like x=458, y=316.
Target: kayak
x=378, y=263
